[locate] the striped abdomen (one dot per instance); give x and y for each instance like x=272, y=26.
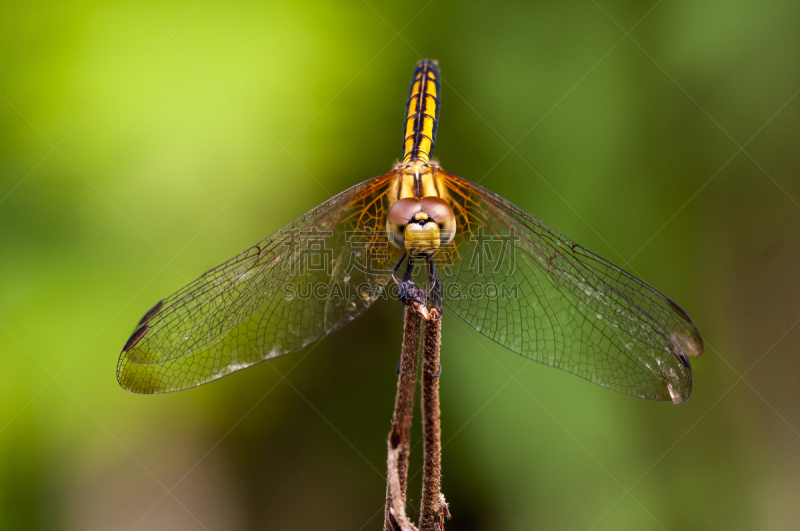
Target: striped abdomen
x=422, y=112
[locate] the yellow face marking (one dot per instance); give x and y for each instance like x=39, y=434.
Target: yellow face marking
x=422, y=238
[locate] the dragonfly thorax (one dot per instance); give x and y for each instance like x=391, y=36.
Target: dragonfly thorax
x=420, y=225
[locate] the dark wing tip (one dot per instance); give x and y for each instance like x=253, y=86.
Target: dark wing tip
x=151, y=312
x=135, y=338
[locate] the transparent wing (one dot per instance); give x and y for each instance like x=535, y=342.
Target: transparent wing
x=304, y=281
x=530, y=289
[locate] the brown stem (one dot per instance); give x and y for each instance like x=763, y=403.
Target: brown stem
x=399, y=436
x=433, y=508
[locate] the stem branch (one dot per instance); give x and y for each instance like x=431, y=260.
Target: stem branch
x=399, y=436
x=433, y=509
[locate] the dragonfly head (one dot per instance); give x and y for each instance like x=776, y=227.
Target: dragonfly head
x=421, y=225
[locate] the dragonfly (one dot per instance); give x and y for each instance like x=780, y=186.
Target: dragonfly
x=507, y=274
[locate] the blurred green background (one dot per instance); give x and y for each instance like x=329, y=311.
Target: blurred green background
x=143, y=143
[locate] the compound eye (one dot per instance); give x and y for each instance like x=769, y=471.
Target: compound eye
x=437, y=208
x=399, y=216
x=403, y=211
x=440, y=212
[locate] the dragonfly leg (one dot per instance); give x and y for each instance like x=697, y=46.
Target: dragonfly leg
x=396, y=267
x=409, y=270
x=407, y=291
x=435, y=291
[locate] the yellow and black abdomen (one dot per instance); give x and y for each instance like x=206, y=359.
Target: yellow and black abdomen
x=422, y=112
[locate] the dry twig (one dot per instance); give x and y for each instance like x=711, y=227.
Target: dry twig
x=399, y=436
x=433, y=509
